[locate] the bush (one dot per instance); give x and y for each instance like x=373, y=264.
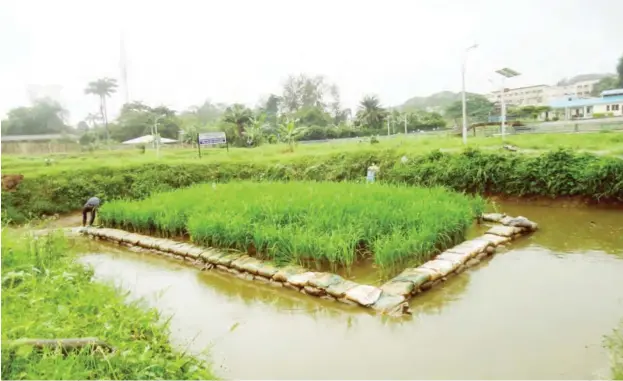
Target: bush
x=556, y=173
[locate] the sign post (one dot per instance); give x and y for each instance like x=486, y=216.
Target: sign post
x=211, y=139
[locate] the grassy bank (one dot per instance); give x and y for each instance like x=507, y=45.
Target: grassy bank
x=47, y=295
x=413, y=145
x=327, y=223
x=553, y=174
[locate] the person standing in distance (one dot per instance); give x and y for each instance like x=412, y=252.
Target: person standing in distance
x=91, y=206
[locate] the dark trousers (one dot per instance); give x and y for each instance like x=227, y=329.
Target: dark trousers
x=85, y=210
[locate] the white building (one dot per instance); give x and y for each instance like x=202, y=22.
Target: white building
x=610, y=104
x=522, y=96
x=542, y=95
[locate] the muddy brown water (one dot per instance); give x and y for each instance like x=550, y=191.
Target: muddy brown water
x=538, y=310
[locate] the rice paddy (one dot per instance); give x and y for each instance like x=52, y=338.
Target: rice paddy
x=334, y=224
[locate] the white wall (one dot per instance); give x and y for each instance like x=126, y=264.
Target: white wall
x=609, y=108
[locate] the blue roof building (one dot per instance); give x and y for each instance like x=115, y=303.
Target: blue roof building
x=610, y=104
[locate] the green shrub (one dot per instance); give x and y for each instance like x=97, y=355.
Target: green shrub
x=556, y=173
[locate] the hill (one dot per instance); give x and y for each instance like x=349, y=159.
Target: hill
x=436, y=102
x=582, y=77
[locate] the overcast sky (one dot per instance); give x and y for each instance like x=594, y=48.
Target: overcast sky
x=181, y=53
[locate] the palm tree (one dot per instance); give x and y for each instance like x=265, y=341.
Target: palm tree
x=289, y=133
x=92, y=119
x=103, y=87
x=370, y=113
x=240, y=116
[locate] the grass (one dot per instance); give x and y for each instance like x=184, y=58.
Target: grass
x=327, y=223
x=47, y=295
x=32, y=166
x=614, y=342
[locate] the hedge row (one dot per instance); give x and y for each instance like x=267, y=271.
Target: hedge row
x=554, y=174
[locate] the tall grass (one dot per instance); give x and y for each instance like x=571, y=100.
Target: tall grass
x=46, y=295
x=329, y=223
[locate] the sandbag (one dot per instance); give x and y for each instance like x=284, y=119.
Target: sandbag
x=237, y=264
x=338, y=290
x=194, y=251
x=226, y=260
x=300, y=280
x=252, y=265
x=521, y=222
x=442, y=267
x=504, y=231
x=470, y=248
x=414, y=275
x=394, y=305
x=147, y=242
x=212, y=256
x=495, y=240
x=363, y=294
x=325, y=280
x=267, y=269
x=397, y=287
x=493, y=217
x=454, y=257
x=285, y=272
x=314, y=291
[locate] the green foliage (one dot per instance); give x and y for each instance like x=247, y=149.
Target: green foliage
x=47, y=295
x=289, y=133
x=607, y=83
x=563, y=172
x=103, y=88
x=370, y=113
x=323, y=222
x=478, y=108
x=45, y=116
x=137, y=119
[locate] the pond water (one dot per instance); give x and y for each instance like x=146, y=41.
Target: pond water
x=536, y=311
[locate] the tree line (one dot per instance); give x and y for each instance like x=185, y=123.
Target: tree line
x=307, y=108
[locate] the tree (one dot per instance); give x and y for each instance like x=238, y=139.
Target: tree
x=370, y=113
x=620, y=72
x=478, y=108
x=103, y=88
x=137, y=119
x=256, y=130
x=238, y=115
x=289, y=133
x=606, y=83
x=45, y=116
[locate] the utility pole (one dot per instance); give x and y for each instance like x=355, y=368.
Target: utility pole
x=388, y=126
x=156, y=137
x=463, y=93
x=406, y=125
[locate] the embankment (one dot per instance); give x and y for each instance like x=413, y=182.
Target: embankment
x=47, y=296
x=391, y=298
x=561, y=173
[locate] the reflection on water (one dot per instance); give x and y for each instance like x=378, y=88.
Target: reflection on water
x=537, y=311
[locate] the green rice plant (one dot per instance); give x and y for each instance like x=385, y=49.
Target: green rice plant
x=331, y=224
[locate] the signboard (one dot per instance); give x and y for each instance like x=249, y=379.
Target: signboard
x=212, y=138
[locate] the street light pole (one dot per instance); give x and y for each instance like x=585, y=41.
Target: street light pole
x=156, y=137
x=505, y=73
x=464, y=101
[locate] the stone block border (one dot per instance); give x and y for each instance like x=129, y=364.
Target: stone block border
x=389, y=299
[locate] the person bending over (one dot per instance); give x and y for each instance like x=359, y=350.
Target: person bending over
x=91, y=206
